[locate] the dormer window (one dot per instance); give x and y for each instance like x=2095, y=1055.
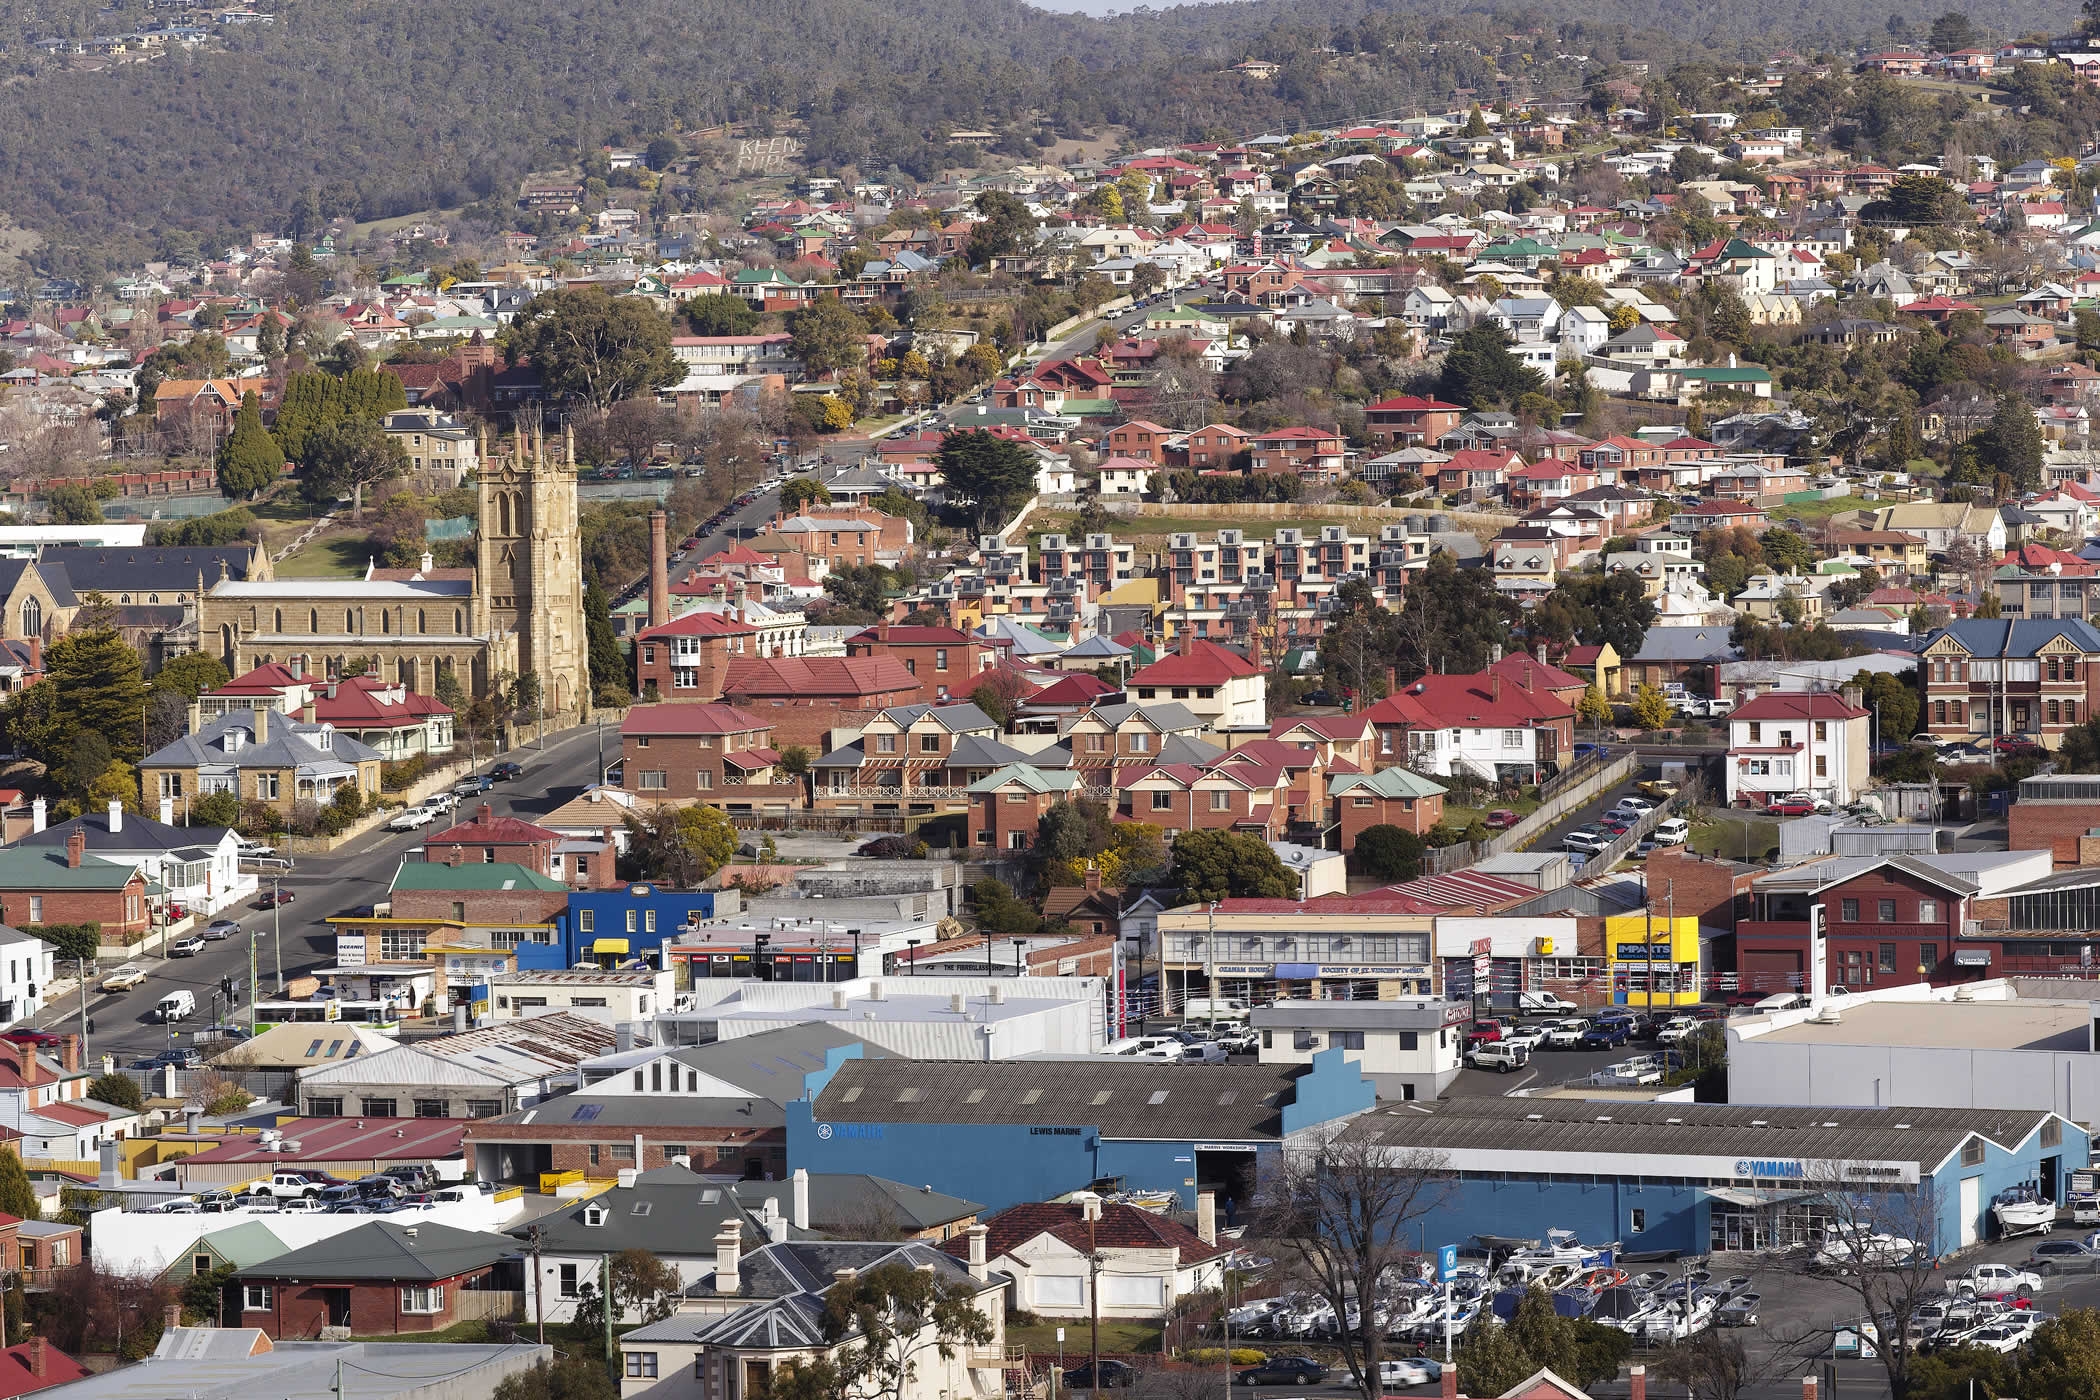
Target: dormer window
x=594, y=1215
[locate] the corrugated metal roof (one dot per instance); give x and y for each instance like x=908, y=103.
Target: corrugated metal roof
x=1149, y=1099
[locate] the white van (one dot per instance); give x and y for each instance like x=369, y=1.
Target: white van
x=176, y=1006
x=1214, y=1009
x=1673, y=832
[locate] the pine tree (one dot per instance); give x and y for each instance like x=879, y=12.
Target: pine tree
x=608, y=662
x=17, y=1197
x=250, y=458
x=99, y=688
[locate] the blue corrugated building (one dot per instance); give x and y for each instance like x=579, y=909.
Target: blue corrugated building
x=1007, y=1131
x=612, y=925
x=1692, y=1178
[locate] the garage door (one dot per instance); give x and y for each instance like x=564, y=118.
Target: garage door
x=1971, y=1208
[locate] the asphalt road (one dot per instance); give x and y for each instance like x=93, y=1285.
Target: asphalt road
x=358, y=873
x=1082, y=340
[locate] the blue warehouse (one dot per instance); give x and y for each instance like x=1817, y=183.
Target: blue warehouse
x=1008, y=1131
x=1689, y=1178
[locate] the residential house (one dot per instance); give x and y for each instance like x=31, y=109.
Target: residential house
x=804, y=696
x=2001, y=677
x=944, y=661
x=716, y=754
x=1058, y=1253
x=1785, y=742
x=40, y=885
x=1216, y=684
x=261, y=756
x=1389, y=797
x=382, y=1278
x=1485, y=726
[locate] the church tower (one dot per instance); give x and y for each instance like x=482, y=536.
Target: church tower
x=528, y=569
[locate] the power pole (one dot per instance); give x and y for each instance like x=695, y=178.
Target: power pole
x=612, y=1357
x=539, y=1308
x=1093, y=1297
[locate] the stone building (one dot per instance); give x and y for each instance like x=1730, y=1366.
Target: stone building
x=518, y=611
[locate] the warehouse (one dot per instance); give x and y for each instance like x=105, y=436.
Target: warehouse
x=1003, y=1132
x=1693, y=1178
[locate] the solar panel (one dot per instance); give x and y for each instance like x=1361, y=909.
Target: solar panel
x=585, y=1112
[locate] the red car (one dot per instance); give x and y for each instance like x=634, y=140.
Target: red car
x=2014, y=743
x=38, y=1038
x=1501, y=819
x=272, y=898
x=1483, y=1033
x=1794, y=808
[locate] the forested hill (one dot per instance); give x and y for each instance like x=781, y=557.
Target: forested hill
x=392, y=106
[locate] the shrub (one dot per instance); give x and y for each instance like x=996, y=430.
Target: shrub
x=1211, y=1356
x=72, y=942
x=396, y=776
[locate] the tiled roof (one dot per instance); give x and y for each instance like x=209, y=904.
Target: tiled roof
x=1120, y=1227
x=686, y=718
x=1206, y=663
x=805, y=676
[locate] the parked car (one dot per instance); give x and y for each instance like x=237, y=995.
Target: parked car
x=1600, y=1037
x=1679, y=1029
x=1502, y=1056
x=1501, y=819
x=1639, y=806
x=186, y=947
x=1409, y=1370
x=2062, y=1257
x=472, y=787
x=218, y=929
x=1483, y=1033
x=123, y=978
x=272, y=899
x=1671, y=831
x=410, y=819
x=1587, y=842
x=1111, y=1374
x=1659, y=789
x=507, y=771
x=1282, y=1370
x=1565, y=1035
x=1793, y=805
x=1997, y=1281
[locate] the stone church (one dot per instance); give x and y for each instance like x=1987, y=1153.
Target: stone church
x=517, y=611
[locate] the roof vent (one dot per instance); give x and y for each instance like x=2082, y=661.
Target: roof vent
x=1673, y=1120
x=1534, y=1117
x=1759, y=1123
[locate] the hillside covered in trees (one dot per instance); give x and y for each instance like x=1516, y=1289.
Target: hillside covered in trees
x=383, y=107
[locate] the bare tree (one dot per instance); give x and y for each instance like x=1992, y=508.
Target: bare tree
x=1880, y=1244
x=1340, y=1212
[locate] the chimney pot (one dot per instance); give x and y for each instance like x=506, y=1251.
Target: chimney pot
x=76, y=847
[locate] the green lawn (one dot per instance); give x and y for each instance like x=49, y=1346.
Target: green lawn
x=1117, y=1338
x=463, y=1333
x=1821, y=510
x=335, y=556
x=1736, y=837
x=1462, y=817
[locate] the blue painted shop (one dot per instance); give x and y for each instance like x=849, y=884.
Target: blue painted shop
x=1008, y=1131
x=1689, y=1178
x=614, y=926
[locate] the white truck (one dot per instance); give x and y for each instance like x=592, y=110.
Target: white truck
x=1502, y=1056
x=1997, y=1281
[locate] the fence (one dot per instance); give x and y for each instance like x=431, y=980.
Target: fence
x=1690, y=794
x=1580, y=783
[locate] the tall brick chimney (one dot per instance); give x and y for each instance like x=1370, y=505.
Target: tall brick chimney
x=605, y=875
x=484, y=812
x=76, y=847
x=38, y=1352
x=659, y=570
x=69, y=1052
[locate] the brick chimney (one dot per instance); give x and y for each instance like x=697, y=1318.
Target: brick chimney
x=1808, y=1388
x=604, y=875
x=39, y=1350
x=659, y=570
x=32, y=1068
x=76, y=847
x=69, y=1052
x=484, y=812
x=171, y=1316
x=1637, y=1383
x=1093, y=876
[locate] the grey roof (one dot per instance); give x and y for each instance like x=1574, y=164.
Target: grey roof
x=137, y=834
x=1166, y=715
x=1686, y=644
x=383, y=1251
x=1106, y=647
x=854, y=1198
x=53, y=575
x=772, y=1064
x=209, y=1363
x=954, y=716
x=669, y=1211
x=2010, y=637
x=290, y=744
x=1187, y=748
x=1151, y=1099
x=1576, y=1126
x=977, y=751
x=147, y=568
x=787, y=1283
x=649, y=1111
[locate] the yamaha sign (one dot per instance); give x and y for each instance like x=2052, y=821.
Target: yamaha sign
x=1787, y=1171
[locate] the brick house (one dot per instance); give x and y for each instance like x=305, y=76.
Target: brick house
x=688, y=657
x=926, y=757
x=492, y=893
x=1106, y=737
x=1988, y=678
x=1007, y=806
x=1885, y=921
x=803, y=695
x=1782, y=743
x=945, y=662
x=488, y=837
x=2056, y=813
x=1087, y=906
x=1214, y=446
x=1177, y=797
x=42, y=885
x=380, y=1279
x=1411, y=421
x=1137, y=438
x=718, y=754
x=1308, y=452
x=1391, y=796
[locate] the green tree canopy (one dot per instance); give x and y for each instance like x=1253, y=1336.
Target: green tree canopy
x=249, y=459
x=98, y=686
x=1481, y=372
x=346, y=456
x=68, y=504
x=828, y=336
x=191, y=675
x=719, y=313
x=981, y=466
x=1212, y=865
x=593, y=346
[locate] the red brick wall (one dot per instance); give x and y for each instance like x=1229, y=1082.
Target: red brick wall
x=653, y=666
x=2051, y=826
x=298, y=1311
x=1428, y=811
x=1697, y=886
x=682, y=758
x=993, y=819
x=482, y=906
x=806, y=720
x=104, y=907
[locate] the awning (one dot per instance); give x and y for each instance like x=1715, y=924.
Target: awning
x=1972, y=957
x=1744, y=1196
x=610, y=945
